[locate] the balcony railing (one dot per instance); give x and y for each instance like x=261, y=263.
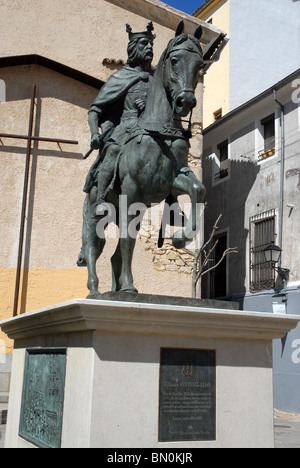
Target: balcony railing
x=262, y=155
x=222, y=174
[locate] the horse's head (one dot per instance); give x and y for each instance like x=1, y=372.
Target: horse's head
x=183, y=59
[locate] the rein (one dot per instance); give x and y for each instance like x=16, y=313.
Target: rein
x=165, y=132
x=187, y=132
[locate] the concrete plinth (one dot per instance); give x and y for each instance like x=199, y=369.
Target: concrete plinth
x=113, y=363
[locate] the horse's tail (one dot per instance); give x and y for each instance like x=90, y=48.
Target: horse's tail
x=81, y=261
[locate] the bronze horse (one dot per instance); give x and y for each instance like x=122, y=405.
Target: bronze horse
x=153, y=163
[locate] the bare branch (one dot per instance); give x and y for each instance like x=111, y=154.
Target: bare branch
x=214, y=229
x=182, y=258
x=189, y=252
x=205, y=262
x=225, y=253
x=206, y=250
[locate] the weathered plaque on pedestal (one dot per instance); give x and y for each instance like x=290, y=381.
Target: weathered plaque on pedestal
x=43, y=397
x=187, y=409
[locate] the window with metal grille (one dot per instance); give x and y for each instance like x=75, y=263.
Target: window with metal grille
x=262, y=232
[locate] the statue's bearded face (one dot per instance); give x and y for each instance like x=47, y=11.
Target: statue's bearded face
x=144, y=49
x=141, y=52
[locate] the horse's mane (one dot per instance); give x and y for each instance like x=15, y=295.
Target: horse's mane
x=176, y=41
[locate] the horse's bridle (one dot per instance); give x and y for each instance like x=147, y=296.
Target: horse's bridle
x=188, y=131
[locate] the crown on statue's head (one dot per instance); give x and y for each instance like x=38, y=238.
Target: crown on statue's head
x=148, y=34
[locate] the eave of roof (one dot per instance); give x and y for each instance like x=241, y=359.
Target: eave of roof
x=34, y=59
x=207, y=5
x=252, y=101
x=170, y=17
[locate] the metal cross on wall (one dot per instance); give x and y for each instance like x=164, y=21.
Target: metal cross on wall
x=30, y=138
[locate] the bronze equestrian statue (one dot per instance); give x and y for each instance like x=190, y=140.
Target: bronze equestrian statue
x=143, y=150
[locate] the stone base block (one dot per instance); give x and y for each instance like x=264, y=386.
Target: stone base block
x=119, y=390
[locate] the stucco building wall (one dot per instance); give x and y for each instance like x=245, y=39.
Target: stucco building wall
x=263, y=47
x=53, y=228
x=252, y=186
x=80, y=35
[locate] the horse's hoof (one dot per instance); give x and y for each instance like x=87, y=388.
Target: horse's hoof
x=179, y=240
x=94, y=295
x=81, y=262
x=129, y=289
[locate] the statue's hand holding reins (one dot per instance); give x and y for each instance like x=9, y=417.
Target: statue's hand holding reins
x=96, y=141
x=140, y=105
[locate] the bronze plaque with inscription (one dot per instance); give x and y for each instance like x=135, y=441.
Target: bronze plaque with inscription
x=187, y=406
x=43, y=397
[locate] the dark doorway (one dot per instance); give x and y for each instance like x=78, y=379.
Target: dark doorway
x=219, y=275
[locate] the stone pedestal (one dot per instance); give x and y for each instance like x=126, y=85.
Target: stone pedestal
x=117, y=375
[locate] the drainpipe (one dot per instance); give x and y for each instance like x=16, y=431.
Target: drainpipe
x=281, y=171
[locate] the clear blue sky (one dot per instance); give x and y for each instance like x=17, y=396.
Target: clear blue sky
x=188, y=6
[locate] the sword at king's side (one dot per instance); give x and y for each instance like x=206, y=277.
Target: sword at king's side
x=88, y=153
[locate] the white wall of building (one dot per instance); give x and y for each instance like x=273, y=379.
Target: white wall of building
x=264, y=45
x=252, y=186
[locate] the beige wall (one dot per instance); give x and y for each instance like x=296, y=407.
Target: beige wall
x=53, y=229
x=79, y=34
x=83, y=33
x=216, y=80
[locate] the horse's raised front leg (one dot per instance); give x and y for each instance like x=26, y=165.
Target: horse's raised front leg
x=187, y=183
